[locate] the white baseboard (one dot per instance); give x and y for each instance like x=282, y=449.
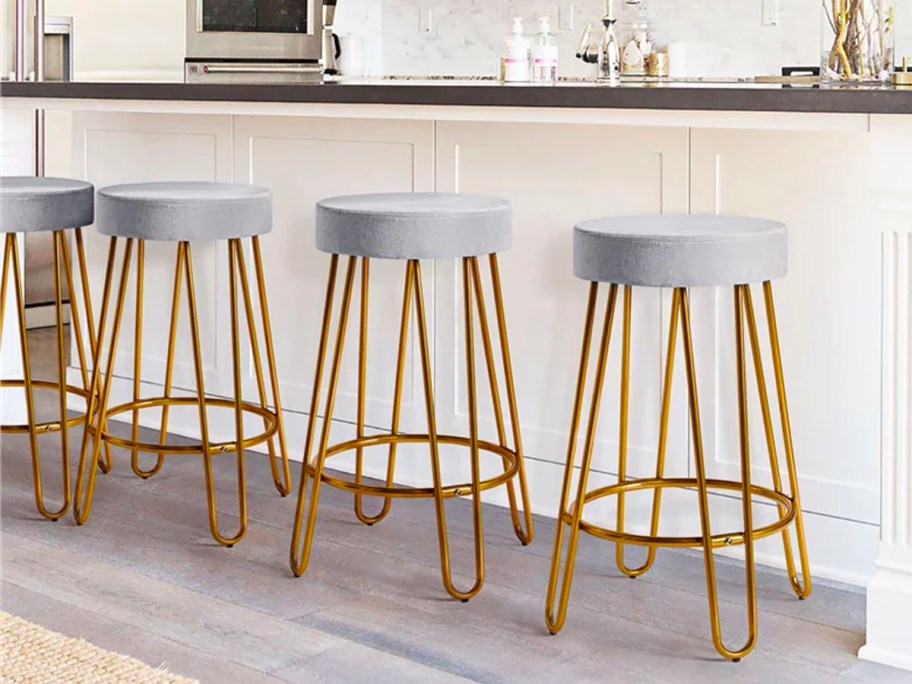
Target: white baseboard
x=889, y=633
x=883, y=656
x=840, y=550
x=45, y=316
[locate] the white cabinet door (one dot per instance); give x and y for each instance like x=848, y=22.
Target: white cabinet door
x=818, y=184
x=114, y=148
x=16, y=159
x=556, y=176
x=303, y=161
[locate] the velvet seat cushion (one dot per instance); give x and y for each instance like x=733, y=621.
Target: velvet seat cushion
x=680, y=251
x=414, y=225
x=184, y=211
x=29, y=204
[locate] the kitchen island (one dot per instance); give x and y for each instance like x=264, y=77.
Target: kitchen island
x=832, y=164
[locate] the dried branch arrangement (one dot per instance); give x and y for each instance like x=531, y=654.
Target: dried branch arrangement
x=862, y=39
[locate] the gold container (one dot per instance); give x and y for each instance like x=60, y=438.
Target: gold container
x=902, y=77
x=657, y=64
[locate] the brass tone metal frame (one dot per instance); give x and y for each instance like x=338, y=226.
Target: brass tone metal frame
x=788, y=503
x=273, y=426
x=63, y=268
x=313, y=467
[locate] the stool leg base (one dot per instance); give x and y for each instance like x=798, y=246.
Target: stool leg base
x=571, y=513
x=305, y=515
x=99, y=400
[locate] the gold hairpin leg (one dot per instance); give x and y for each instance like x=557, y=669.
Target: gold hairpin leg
x=282, y=480
x=802, y=586
x=622, y=438
x=397, y=399
x=525, y=536
x=82, y=506
x=106, y=463
x=300, y=554
x=712, y=593
x=169, y=360
x=76, y=320
x=4, y=277
x=362, y=391
x=61, y=370
x=137, y=363
x=663, y=432
x=228, y=541
x=427, y=374
x=11, y=252
x=572, y=514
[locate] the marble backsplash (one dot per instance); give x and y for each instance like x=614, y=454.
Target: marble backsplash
x=723, y=37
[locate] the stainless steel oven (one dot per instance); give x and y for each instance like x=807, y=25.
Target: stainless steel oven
x=258, y=40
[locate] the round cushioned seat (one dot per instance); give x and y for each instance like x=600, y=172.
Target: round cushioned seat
x=29, y=204
x=184, y=211
x=680, y=251
x=414, y=225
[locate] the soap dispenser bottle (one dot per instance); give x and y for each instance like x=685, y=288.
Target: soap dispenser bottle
x=544, y=54
x=517, y=60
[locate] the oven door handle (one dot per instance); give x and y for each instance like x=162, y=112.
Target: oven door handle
x=255, y=69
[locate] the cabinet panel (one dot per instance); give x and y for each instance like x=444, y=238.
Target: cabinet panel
x=829, y=323
x=125, y=148
x=16, y=159
x=556, y=176
x=303, y=161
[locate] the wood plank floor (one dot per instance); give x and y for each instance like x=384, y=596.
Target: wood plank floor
x=144, y=578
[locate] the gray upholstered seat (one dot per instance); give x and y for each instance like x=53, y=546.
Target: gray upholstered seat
x=414, y=225
x=30, y=204
x=680, y=251
x=184, y=211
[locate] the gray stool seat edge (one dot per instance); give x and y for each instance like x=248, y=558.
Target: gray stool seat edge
x=680, y=251
x=31, y=204
x=184, y=211
x=414, y=225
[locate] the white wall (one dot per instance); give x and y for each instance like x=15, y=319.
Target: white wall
x=143, y=40
x=724, y=37
x=138, y=39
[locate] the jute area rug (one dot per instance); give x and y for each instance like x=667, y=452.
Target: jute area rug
x=31, y=654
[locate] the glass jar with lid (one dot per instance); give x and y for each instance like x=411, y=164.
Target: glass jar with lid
x=637, y=37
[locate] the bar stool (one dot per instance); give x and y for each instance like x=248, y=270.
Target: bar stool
x=681, y=252
x=411, y=227
x=32, y=205
x=186, y=213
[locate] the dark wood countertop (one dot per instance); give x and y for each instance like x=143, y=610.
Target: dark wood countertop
x=667, y=96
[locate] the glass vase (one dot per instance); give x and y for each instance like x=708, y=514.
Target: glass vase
x=858, y=39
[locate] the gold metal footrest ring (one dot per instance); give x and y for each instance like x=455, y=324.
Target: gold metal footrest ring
x=448, y=492
x=192, y=449
x=787, y=515
x=51, y=425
